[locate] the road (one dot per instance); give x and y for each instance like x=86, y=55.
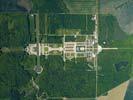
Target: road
x=37, y=39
